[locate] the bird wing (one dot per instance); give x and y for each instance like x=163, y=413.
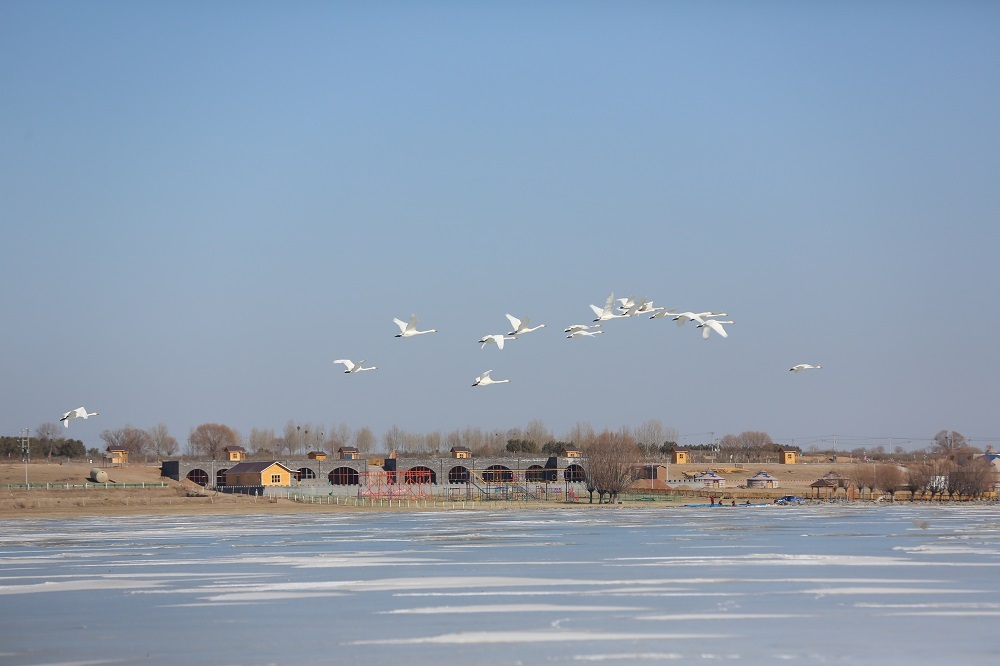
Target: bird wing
x=717, y=327
x=401, y=324
x=597, y=311
x=499, y=340
x=347, y=364
x=609, y=302
x=514, y=321
x=412, y=324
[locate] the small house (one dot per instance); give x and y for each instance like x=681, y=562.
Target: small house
x=259, y=473
x=348, y=453
x=649, y=471
x=790, y=456
x=571, y=452
x=461, y=452
x=680, y=457
x=116, y=455
x=316, y=455
x=234, y=453
x=762, y=480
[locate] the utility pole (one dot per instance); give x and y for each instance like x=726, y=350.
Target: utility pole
x=26, y=454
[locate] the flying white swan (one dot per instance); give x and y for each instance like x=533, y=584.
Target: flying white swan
x=647, y=308
x=521, y=326
x=710, y=325
x=354, y=367
x=78, y=413
x=632, y=307
x=804, y=366
x=409, y=329
x=662, y=312
x=497, y=339
x=580, y=327
x=683, y=317
x=584, y=333
x=608, y=311
x=485, y=380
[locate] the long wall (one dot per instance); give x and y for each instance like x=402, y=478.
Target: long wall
x=442, y=470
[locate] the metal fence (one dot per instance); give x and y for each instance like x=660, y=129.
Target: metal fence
x=77, y=486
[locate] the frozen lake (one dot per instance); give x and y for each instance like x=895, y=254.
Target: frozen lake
x=801, y=584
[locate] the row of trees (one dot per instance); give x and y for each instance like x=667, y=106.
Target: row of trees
x=652, y=439
x=11, y=448
x=971, y=477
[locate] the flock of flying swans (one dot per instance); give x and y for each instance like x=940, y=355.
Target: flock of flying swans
x=621, y=308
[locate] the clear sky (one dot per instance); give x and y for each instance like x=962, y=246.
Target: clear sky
x=205, y=203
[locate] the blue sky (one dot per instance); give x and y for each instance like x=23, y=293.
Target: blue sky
x=204, y=204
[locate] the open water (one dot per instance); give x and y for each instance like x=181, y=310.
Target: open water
x=900, y=584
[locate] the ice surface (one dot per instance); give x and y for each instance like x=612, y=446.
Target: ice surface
x=806, y=584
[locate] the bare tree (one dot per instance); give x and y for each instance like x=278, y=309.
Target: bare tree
x=261, y=442
x=49, y=431
x=754, y=445
x=864, y=476
x=888, y=479
x=582, y=435
x=131, y=439
x=289, y=441
x=474, y=439
x=609, y=461
x=432, y=442
x=341, y=435
x=973, y=478
x=209, y=439
x=161, y=443
x=50, y=436
x=364, y=440
x=730, y=448
x=917, y=479
x=537, y=432
x=949, y=443
x=394, y=440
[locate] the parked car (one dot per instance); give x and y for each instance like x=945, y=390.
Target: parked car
x=789, y=499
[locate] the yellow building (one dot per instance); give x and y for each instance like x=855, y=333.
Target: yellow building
x=790, y=457
x=259, y=473
x=317, y=455
x=234, y=453
x=349, y=453
x=460, y=452
x=116, y=456
x=571, y=452
x=680, y=457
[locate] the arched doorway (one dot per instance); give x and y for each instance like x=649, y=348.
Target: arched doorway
x=199, y=476
x=305, y=474
x=497, y=474
x=458, y=474
x=538, y=474
x=343, y=476
x=575, y=474
x=220, y=477
x=419, y=474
